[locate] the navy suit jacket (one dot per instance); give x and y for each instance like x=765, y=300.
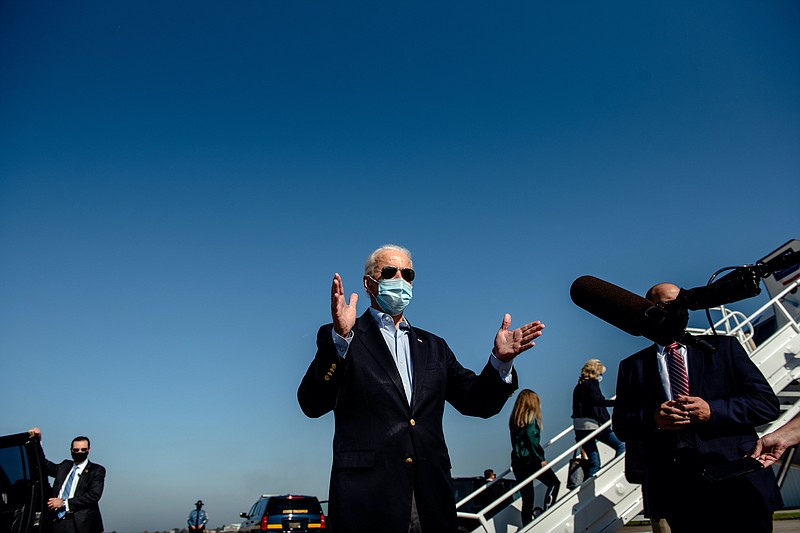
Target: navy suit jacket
x=382, y=447
x=84, y=505
x=588, y=402
x=739, y=397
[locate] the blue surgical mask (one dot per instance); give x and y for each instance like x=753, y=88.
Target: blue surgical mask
x=600, y=378
x=393, y=295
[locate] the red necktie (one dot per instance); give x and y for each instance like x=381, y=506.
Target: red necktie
x=678, y=378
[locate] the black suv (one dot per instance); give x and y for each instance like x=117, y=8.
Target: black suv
x=23, y=486
x=287, y=513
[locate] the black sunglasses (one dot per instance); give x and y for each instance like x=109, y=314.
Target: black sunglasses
x=389, y=272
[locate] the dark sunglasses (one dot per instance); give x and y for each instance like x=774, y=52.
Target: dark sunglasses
x=389, y=272
x=79, y=450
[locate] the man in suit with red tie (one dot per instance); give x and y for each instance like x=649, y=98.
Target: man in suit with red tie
x=77, y=489
x=688, y=410
x=386, y=383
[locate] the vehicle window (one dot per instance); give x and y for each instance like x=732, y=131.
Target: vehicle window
x=252, y=512
x=260, y=505
x=293, y=506
x=15, y=485
x=13, y=465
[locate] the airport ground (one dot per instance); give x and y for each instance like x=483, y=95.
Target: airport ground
x=784, y=522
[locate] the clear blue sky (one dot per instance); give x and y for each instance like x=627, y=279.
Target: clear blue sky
x=180, y=180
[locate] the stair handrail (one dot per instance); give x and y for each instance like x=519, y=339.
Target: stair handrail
x=480, y=516
x=566, y=431
x=723, y=325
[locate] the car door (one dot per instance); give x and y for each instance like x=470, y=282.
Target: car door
x=253, y=517
x=23, y=486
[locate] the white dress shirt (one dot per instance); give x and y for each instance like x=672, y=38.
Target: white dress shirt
x=663, y=370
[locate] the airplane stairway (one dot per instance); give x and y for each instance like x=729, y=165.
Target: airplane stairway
x=607, y=501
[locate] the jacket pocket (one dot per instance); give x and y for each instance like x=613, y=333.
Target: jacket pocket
x=353, y=459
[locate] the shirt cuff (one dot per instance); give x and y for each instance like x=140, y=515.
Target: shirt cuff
x=342, y=343
x=504, y=369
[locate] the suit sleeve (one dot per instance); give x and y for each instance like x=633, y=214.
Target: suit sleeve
x=319, y=387
x=632, y=419
x=753, y=402
x=481, y=395
x=52, y=470
x=96, y=483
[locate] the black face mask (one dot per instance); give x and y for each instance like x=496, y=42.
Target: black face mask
x=678, y=315
x=79, y=457
x=667, y=322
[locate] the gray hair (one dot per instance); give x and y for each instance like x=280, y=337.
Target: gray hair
x=369, y=266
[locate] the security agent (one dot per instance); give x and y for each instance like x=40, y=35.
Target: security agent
x=77, y=489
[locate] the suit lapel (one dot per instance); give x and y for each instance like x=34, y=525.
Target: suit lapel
x=373, y=340
x=63, y=471
x=85, y=474
x=697, y=361
x=652, y=375
x=419, y=359
x=64, y=474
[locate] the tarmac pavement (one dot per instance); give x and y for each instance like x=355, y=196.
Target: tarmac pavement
x=778, y=526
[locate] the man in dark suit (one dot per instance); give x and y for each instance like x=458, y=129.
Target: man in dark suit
x=387, y=383
x=681, y=434
x=77, y=489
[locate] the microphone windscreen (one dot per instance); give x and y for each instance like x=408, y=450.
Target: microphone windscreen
x=606, y=301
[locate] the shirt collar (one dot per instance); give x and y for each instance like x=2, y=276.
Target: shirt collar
x=662, y=350
x=386, y=321
x=81, y=466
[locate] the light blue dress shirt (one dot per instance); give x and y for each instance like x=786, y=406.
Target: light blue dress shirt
x=397, y=341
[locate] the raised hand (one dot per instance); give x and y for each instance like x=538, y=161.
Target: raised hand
x=510, y=343
x=343, y=314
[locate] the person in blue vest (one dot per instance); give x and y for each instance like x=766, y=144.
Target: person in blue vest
x=197, y=518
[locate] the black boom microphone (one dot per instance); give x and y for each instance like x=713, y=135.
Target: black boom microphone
x=741, y=283
x=630, y=312
x=666, y=322
x=606, y=301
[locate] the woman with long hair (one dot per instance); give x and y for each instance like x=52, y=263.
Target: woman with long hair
x=527, y=454
x=590, y=411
